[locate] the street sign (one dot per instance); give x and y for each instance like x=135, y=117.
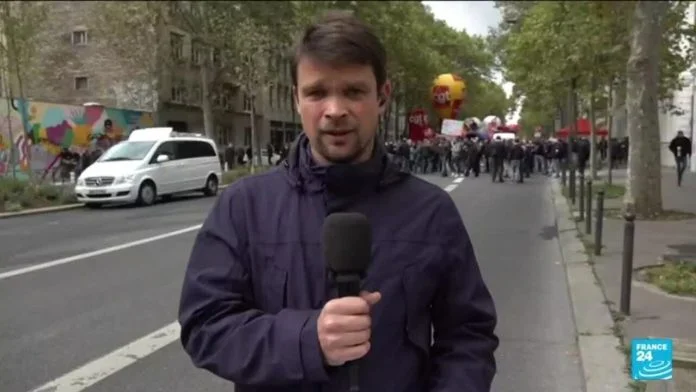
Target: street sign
x=651, y=359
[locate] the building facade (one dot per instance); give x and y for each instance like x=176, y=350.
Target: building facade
x=79, y=68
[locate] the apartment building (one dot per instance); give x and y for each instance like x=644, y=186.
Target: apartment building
x=76, y=68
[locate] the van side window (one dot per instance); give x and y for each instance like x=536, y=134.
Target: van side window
x=166, y=148
x=195, y=149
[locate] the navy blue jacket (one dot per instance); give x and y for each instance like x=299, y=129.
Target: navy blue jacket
x=256, y=282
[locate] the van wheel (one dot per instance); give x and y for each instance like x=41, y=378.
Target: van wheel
x=147, y=194
x=211, y=186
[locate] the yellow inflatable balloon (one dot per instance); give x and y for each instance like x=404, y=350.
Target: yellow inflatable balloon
x=448, y=95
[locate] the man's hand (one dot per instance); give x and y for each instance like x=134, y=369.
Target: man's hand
x=344, y=327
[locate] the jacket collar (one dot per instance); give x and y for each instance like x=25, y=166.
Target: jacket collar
x=305, y=175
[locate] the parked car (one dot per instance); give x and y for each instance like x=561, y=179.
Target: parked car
x=153, y=162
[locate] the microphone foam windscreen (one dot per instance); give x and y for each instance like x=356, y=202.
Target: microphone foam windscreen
x=347, y=242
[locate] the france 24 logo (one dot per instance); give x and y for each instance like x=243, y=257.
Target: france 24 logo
x=651, y=359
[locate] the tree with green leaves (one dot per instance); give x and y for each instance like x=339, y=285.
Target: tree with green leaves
x=20, y=24
x=548, y=45
x=134, y=32
x=213, y=34
x=256, y=48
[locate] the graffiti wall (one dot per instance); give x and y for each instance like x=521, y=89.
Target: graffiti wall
x=40, y=130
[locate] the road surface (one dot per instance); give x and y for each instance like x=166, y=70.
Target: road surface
x=89, y=297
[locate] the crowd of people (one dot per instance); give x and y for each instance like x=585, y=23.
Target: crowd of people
x=512, y=159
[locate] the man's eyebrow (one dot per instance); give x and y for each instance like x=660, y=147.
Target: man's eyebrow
x=320, y=85
x=310, y=87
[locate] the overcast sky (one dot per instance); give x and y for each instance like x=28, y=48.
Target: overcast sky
x=476, y=17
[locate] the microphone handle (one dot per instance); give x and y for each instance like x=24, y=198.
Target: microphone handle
x=349, y=286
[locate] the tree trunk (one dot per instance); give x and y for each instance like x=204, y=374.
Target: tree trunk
x=157, y=69
x=397, y=129
x=610, y=122
x=206, y=107
x=644, y=185
x=255, y=155
x=593, y=132
x=619, y=109
x=13, y=159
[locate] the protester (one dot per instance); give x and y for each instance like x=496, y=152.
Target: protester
x=257, y=307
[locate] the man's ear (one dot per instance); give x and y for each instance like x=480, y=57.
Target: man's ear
x=384, y=96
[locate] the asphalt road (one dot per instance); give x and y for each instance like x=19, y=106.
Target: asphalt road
x=113, y=312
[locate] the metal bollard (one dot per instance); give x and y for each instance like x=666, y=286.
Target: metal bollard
x=571, y=187
x=588, y=208
x=599, y=223
x=627, y=264
x=581, y=201
x=72, y=177
x=227, y=167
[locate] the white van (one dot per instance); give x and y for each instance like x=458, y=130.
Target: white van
x=152, y=162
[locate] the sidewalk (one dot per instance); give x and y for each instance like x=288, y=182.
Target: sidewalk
x=653, y=313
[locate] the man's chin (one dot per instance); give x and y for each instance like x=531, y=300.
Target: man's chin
x=340, y=155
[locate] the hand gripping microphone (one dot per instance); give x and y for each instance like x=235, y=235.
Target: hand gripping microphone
x=347, y=245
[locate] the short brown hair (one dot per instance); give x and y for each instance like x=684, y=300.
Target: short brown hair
x=339, y=37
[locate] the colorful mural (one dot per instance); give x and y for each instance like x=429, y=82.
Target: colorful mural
x=41, y=130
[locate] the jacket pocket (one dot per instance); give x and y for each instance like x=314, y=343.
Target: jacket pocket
x=274, y=289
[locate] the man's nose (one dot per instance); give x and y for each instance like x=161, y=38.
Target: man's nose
x=335, y=108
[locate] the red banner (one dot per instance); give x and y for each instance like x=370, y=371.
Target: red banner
x=417, y=124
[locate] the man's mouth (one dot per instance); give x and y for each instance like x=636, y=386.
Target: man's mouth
x=338, y=132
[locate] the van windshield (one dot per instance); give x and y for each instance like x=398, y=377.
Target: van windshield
x=128, y=151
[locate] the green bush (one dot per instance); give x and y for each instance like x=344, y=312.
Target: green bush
x=18, y=194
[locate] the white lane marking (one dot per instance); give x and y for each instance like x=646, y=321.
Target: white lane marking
x=101, y=368
x=450, y=187
x=458, y=180
x=81, y=256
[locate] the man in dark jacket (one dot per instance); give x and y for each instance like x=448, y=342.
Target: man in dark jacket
x=497, y=152
x=257, y=307
x=680, y=146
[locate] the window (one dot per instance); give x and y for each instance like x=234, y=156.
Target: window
x=279, y=97
x=227, y=100
x=127, y=151
x=224, y=135
x=194, y=149
x=81, y=83
x=247, y=137
x=79, y=37
x=179, y=93
x=196, y=95
x=168, y=149
x=216, y=57
x=247, y=103
x=196, y=54
x=177, y=45
x=270, y=96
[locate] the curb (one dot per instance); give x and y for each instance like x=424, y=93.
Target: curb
x=601, y=361
x=34, y=211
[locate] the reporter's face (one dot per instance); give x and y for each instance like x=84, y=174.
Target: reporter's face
x=340, y=108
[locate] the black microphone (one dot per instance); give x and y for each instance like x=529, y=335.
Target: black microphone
x=347, y=244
